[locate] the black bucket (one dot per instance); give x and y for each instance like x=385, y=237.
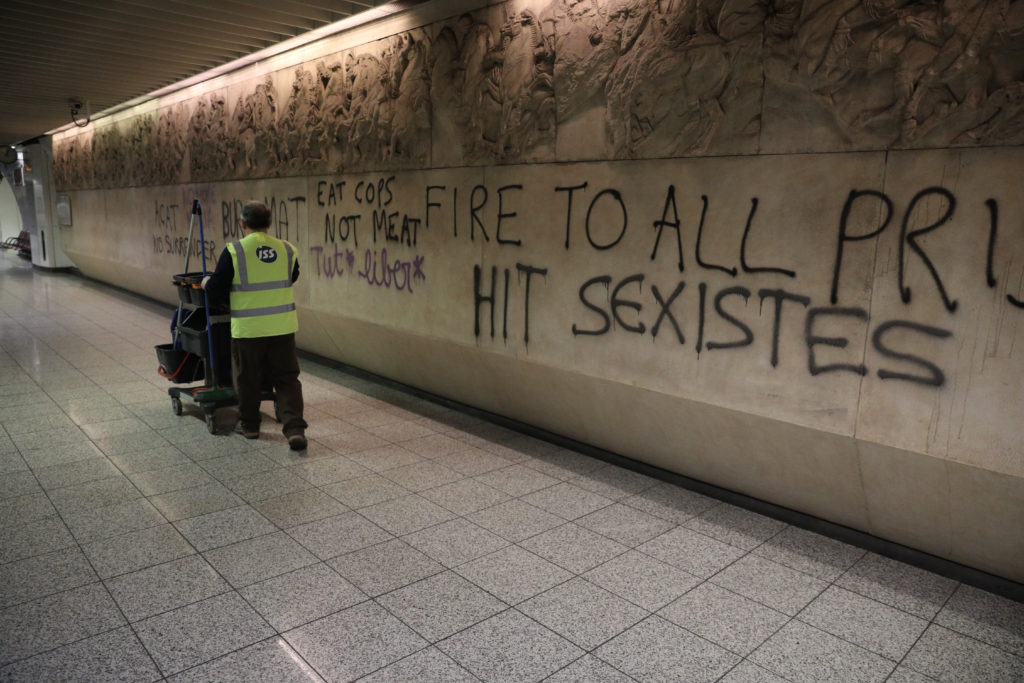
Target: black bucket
x=190, y=289
x=177, y=365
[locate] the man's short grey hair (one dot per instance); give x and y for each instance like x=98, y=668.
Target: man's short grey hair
x=256, y=215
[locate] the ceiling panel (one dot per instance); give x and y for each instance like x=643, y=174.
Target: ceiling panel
x=107, y=52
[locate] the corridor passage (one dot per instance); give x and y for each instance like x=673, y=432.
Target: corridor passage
x=411, y=542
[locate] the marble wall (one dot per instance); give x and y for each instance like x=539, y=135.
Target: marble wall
x=776, y=247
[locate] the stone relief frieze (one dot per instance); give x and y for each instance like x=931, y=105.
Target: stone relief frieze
x=884, y=74
x=636, y=78
x=673, y=77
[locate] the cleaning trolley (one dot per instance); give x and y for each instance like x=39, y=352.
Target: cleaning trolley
x=201, y=346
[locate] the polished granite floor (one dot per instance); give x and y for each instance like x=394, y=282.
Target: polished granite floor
x=410, y=543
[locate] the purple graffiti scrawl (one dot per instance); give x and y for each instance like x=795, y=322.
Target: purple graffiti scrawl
x=379, y=271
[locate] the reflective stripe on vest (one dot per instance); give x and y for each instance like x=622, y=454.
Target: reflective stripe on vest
x=266, y=310
x=262, y=308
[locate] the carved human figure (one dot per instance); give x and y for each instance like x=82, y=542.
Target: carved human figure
x=170, y=145
x=301, y=126
x=332, y=110
x=366, y=78
x=410, y=124
x=481, y=60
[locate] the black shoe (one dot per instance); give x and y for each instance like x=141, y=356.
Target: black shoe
x=297, y=442
x=247, y=433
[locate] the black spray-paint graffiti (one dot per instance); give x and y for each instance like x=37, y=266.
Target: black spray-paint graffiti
x=167, y=241
x=343, y=223
x=284, y=217
x=948, y=200
x=611, y=303
x=483, y=296
x=625, y=313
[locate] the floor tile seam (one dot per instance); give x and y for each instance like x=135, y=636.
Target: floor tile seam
x=252, y=538
x=167, y=492
x=224, y=479
x=30, y=519
x=888, y=660
x=268, y=639
x=765, y=642
x=446, y=570
x=119, y=474
x=625, y=501
x=747, y=661
x=106, y=538
x=35, y=477
x=277, y=530
x=671, y=623
x=507, y=609
x=39, y=554
x=583, y=577
x=442, y=569
x=746, y=550
x=51, y=594
x=326, y=564
x=579, y=517
x=851, y=589
x=404, y=536
x=788, y=617
x=520, y=602
x=603, y=662
x=413, y=654
x=74, y=642
x=431, y=643
x=711, y=579
x=77, y=545
x=45, y=552
x=975, y=638
x=903, y=659
x=334, y=557
x=824, y=629
x=170, y=610
x=571, y=571
x=282, y=634
x=593, y=650
x=562, y=523
x=160, y=563
x=766, y=541
x=165, y=675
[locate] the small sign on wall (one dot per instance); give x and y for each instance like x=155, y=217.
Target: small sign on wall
x=63, y=211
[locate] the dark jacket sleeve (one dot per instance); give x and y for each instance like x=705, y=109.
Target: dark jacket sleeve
x=219, y=286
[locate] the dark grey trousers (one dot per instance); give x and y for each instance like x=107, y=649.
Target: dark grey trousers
x=261, y=363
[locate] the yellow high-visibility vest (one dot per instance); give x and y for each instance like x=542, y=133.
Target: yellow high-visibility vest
x=262, y=301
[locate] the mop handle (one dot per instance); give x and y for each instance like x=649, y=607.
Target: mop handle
x=198, y=211
x=188, y=244
x=188, y=254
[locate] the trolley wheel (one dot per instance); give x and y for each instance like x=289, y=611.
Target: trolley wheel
x=211, y=425
x=176, y=405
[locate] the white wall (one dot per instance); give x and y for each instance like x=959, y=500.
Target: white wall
x=10, y=217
